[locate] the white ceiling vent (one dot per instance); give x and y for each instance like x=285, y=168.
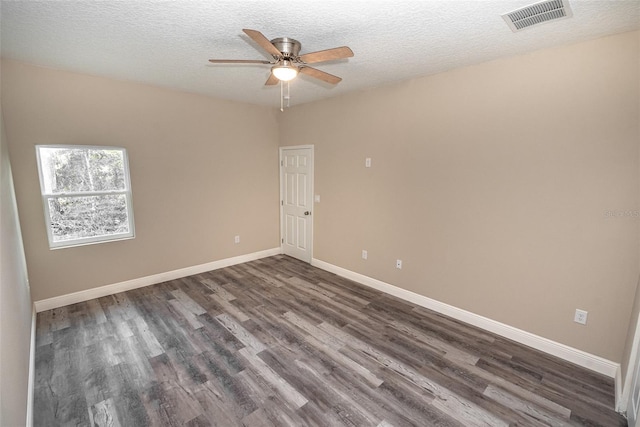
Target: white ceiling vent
x=537, y=14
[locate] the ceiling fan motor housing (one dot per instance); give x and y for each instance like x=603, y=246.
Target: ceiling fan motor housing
x=290, y=48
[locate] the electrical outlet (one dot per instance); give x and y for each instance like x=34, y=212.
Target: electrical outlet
x=317, y=198
x=399, y=263
x=364, y=254
x=580, y=317
x=237, y=239
x=367, y=162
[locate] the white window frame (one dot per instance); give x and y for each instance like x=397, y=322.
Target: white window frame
x=47, y=196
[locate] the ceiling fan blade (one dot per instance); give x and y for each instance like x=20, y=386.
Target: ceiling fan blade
x=264, y=42
x=272, y=80
x=325, y=77
x=239, y=61
x=327, y=55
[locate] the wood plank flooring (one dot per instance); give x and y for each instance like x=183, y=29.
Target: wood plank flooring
x=277, y=342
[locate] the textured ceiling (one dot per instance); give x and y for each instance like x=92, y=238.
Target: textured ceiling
x=168, y=43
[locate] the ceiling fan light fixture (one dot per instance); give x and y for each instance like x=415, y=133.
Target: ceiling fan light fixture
x=285, y=71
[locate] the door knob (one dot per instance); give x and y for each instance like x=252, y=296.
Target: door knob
x=307, y=213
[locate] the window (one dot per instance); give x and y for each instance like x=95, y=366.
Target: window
x=86, y=194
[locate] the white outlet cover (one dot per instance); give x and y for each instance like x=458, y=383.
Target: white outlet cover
x=364, y=254
x=581, y=317
x=399, y=263
x=317, y=199
x=367, y=162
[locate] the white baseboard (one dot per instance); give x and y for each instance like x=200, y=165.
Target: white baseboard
x=76, y=297
x=32, y=369
x=579, y=357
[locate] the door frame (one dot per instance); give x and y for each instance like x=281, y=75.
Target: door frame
x=624, y=399
x=281, y=150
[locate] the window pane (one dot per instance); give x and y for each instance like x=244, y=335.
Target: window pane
x=81, y=217
x=81, y=169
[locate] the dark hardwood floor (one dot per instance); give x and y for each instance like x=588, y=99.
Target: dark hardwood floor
x=276, y=342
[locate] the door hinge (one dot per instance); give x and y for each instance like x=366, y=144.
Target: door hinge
x=281, y=163
x=281, y=202
x=282, y=240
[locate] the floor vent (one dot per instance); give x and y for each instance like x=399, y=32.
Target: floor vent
x=537, y=14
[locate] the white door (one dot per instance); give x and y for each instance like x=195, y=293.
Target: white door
x=296, y=199
x=634, y=399
x=633, y=405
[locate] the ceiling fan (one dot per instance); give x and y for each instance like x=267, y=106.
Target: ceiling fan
x=287, y=61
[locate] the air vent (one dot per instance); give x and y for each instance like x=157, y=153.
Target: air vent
x=537, y=14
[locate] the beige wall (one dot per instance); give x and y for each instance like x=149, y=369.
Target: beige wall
x=15, y=303
x=491, y=183
x=202, y=171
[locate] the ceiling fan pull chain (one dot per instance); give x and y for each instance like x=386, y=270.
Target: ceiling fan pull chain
x=281, y=96
x=288, y=94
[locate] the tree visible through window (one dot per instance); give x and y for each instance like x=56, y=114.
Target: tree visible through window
x=86, y=194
